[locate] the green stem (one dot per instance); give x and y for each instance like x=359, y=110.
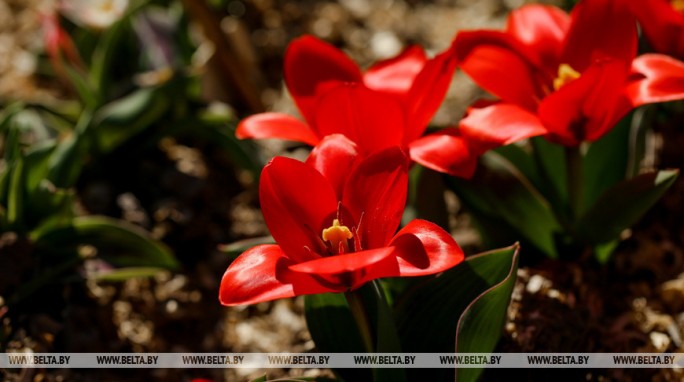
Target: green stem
x=360, y=314
x=573, y=162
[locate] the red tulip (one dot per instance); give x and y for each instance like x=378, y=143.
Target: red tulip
x=662, y=21
x=334, y=220
x=390, y=104
x=577, y=73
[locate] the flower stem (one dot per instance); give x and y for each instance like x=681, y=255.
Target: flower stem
x=573, y=162
x=360, y=314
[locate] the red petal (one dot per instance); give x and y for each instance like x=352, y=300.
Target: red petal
x=396, y=75
x=297, y=203
x=332, y=158
x=600, y=28
x=371, y=119
x=662, y=25
x=261, y=274
x=276, y=125
x=423, y=248
x=542, y=28
x=498, y=63
x=351, y=270
x=658, y=78
x=445, y=151
x=310, y=64
x=427, y=93
x=499, y=124
x=587, y=107
x=375, y=195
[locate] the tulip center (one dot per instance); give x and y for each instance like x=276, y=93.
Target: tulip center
x=678, y=5
x=566, y=74
x=337, y=235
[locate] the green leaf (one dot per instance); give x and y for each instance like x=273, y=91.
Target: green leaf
x=122, y=119
x=550, y=159
x=605, y=162
x=622, y=206
x=431, y=315
x=118, y=242
x=15, y=197
x=480, y=325
x=334, y=330
x=123, y=274
x=504, y=201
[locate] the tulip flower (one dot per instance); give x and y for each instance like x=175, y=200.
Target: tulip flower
x=577, y=73
x=662, y=21
x=334, y=220
x=390, y=104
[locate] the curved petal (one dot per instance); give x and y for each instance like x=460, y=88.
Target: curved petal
x=499, y=124
x=656, y=78
x=276, y=125
x=332, y=158
x=310, y=64
x=371, y=119
x=446, y=151
x=587, y=107
x=423, y=248
x=395, y=76
x=297, y=203
x=427, y=93
x=542, y=28
x=600, y=28
x=662, y=25
x=351, y=270
x=498, y=64
x=375, y=195
x=261, y=274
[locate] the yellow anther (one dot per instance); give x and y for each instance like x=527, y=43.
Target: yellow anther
x=566, y=74
x=337, y=234
x=678, y=5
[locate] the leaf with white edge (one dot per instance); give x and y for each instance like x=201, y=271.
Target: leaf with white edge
x=429, y=315
x=481, y=324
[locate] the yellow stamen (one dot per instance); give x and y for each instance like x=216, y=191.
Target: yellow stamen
x=678, y=5
x=566, y=74
x=337, y=234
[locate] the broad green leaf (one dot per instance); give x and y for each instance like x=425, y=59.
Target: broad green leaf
x=118, y=121
x=429, y=316
x=500, y=194
x=334, y=330
x=605, y=162
x=622, y=206
x=550, y=159
x=480, y=325
x=118, y=242
x=37, y=164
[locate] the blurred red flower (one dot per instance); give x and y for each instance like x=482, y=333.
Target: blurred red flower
x=334, y=220
x=662, y=21
x=576, y=73
x=390, y=104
